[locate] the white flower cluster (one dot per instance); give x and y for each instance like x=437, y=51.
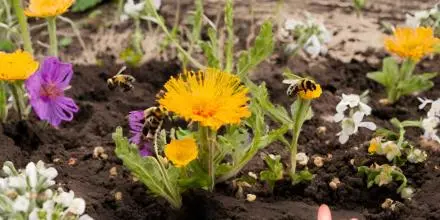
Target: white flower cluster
x=134, y=10
x=417, y=18
x=432, y=121
x=311, y=36
x=357, y=111
x=25, y=194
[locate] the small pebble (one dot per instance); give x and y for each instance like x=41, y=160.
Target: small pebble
x=330, y=156
x=384, y=102
x=104, y=156
x=72, y=161
x=318, y=161
x=98, y=151
x=113, y=171
x=321, y=130
x=253, y=175
x=118, y=196
x=251, y=197
x=57, y=160
x=387, y=204
x=334, y=183
x=135, y=179
x=352, y=162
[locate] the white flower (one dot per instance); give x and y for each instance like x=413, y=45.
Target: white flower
x=351, y=101
x=132, y=10
x=351, y=126
x=77, y=206
x=85, y=217
x=435, y=109
x=291, y=24
x=313, y=46
x=31, y=173
x=416, y=156
x=21, y=204
x=34, y=214
x=302, y=158
x=424, y=102
x=49, y=173
x=3, y=184
x=429, y=125
x=390, y=150
x=415, y=20
x=64, y=198
x=18, y=182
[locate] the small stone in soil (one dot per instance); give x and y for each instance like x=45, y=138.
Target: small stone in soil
x=118, y=196
x=98, y=151
x=321, y=130
x=253, y=175
x=72, y=161
x=113, y=172
x=334, y=183
x=57, y=160
x=318, y=161
x=251, y=197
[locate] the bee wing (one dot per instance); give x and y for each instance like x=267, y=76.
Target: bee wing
x=291, y=81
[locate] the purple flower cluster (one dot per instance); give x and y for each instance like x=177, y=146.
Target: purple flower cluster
x=136, y=121
x=46, y=91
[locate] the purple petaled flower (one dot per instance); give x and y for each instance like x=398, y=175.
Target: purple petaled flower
x=46, y=90
x=136, y=121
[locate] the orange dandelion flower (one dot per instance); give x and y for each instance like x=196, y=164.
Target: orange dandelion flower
x=181, y=152
x=47, y=8
x=17, y=66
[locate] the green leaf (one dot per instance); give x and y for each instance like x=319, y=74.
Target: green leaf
x=302, y=176
x=65, y=41
x=389, y=74
x=417, y=83
x=83, y=5
x=210, y=49
x=390, y=135
x=3, y=102
x=7, y=46
x=262, y=49
x=197, y=21
x=131, y=57
x=275, y=171
x=148, y=169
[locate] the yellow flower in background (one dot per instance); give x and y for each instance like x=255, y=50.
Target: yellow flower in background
x=412, y=43
x=47, y=8
x=181, y=152
x=311, y=94
x=374, y=144
x=211, y=97
x=17, y=66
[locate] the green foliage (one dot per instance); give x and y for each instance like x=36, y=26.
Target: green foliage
x=150, y=171
x=263, y=48
x=229, y=21
x=302, y=176
x=7, y=46
x=197, y=21
x=83, y=5
x=131, y=57
x=211, y=49
x=65, y=41
x=401, y=81
x=275, y=171
x=384, y=175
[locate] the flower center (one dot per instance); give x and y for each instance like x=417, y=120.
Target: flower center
x=204, y=110
x=50, y=91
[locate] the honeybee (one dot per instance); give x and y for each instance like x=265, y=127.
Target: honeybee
x=153, y=119
x=125, y=82
x=297, y=85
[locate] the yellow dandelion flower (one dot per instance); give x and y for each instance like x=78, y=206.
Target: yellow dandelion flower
x=47, y=8
x=311, y=94
x=211, y=97
x=181, y=152
x=412, y=43
x=17, y=66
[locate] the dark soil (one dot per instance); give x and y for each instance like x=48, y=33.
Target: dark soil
x=101, y=111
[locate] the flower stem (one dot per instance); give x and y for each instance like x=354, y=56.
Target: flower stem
x=299, y=117
x=22, y=22
x=137, y=36
x=208, y=149
x=52, y=29
x=19, y=99
x=3, y=102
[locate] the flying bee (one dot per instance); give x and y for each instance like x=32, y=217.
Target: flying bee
x=297, y=85
x=125, y=82
x=153, y=119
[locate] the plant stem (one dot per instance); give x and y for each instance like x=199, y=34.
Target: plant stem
x=299, y=117
x=208, y=153
x=137, y=36
x=229, y=21
x=3, y=102
x=52, y=29
x=19, y=99
x=149, y=7
x=24, y=30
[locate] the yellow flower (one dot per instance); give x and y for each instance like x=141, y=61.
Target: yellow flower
x=412, y=43
x=17, y=66
x=374, y=144
x=311, y=94
x=211, y=97
x=181, y=152
x=47, y=8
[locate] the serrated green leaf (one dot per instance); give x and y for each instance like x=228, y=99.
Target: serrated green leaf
x=262, y=49
x=197, y=21
x=83, y=5
x=302, y=176
x=210, y=49
x=417, y=83
x=389, y=74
